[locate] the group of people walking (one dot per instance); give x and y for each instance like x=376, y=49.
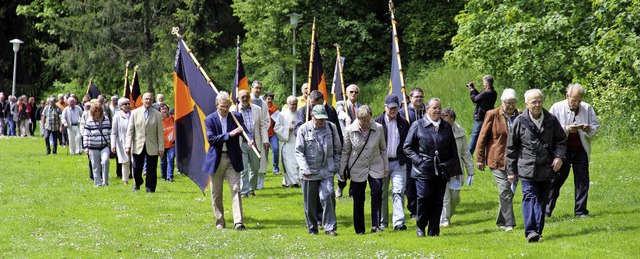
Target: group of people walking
x=420, y=157
x=417, y=152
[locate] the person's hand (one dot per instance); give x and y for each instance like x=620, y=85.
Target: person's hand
x=471, y=86
x=291, y=127
x=235, y=131
x=469, y=180
x=266, y=145
x=586, y=127
x=86, y=151
x=512, y=178
x=573, y=128
x=251, y=142
x=160, y=154
x=386, y=173
x=128, y=151
x=557, y=164
x=61, y=128
x=480, y=166
x=113, y=149
x=347, y=120
x=341, y=178
x=307, y=175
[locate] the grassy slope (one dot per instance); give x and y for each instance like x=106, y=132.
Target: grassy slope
x=50, y=209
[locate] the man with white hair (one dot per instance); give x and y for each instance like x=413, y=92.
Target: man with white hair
x=535, y=151
x=579, y=121
x=159, y=100
x=284, y=130
x=257, y=126
x=71, y=121
x=346, y=117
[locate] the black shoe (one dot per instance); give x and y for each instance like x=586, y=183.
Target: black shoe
x=419, y=232
x=285, y=186
x=331, y=233
x=533, y=237
x=313, y=231
x=400, y=227
x=150, y=190
x=547, y=215
x=240, y=227
x=376, y=229
x=296, y=186
x=170, y=180
x=136, y=188
x=252, y=193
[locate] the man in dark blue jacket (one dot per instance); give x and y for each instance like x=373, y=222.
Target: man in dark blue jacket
x=224, y=159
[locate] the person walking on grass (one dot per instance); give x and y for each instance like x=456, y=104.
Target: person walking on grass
x=535, y=152
x=579, y=121
x=318, y=154
x=96, y=143
x=491, y=151
x=484, y=101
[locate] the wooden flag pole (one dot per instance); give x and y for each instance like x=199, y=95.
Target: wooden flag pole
x=313, y=37
x=175, y=31
x=126, y=78
x=344, y=96
x=395, y=41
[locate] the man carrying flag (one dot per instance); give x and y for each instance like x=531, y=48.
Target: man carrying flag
x=224, y=159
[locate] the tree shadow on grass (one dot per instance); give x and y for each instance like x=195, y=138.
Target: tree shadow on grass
x=471, y=207
x=591, y=230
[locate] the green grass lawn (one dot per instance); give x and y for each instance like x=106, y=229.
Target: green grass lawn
x=49, y=208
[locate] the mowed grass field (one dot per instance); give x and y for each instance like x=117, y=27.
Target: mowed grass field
x=49, y=209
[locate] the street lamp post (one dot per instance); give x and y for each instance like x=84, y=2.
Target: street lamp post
x=294, y=17
x=16, y=46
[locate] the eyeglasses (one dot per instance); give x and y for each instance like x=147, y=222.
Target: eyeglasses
x=354, y=92
x=127, y=104
x=418, y=97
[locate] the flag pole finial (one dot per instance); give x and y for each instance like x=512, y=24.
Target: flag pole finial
x=136, y=68
x=392, y=9
x=176, y=31
x=127, y=65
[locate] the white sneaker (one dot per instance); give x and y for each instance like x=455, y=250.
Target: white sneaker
x=444, y=225
x=508, y=228
x=338, y=193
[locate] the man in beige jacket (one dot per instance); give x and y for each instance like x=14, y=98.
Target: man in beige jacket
x=145, y=140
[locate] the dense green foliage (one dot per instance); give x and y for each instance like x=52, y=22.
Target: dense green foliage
x=548, y=44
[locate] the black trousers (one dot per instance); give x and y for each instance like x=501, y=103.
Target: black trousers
x=578, y=160
x=32, y=127
x=358, y=189
x=152, y=170
x=430, y=194
x=410, y=192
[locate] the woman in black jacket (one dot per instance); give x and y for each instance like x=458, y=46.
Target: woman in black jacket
x=432, y=149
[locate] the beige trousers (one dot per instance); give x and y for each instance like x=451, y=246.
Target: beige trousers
x=225, y=170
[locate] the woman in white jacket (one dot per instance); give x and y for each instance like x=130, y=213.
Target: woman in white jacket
x=118, y=134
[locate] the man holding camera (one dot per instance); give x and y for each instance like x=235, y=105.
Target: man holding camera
x=484, y=101
x=579, y=121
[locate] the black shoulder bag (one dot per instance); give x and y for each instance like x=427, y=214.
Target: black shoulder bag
x=347, y=169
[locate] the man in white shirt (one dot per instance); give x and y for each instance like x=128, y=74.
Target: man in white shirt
x=579, y=121
x=71, y=121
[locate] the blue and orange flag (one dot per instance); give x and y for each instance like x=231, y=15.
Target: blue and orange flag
x=338, y=85
x=92, y=90
x=194, y=100
x=240, y=80
x=136, y=95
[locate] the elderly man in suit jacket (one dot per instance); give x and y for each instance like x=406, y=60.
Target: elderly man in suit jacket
x=145, y=139
x=257, y=125
x=224, y=159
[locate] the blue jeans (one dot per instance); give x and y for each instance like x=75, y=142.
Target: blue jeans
x=477, y=126
x=166, y=163
x=534, y=202
x=273, y=141
x=12, y=127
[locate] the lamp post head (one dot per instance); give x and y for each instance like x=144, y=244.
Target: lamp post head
x=294, y=17
x=16, y=44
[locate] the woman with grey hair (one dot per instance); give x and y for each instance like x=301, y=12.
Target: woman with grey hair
x=364, y=155
x=118, y=135
x=491, y=151
x=431, y=147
